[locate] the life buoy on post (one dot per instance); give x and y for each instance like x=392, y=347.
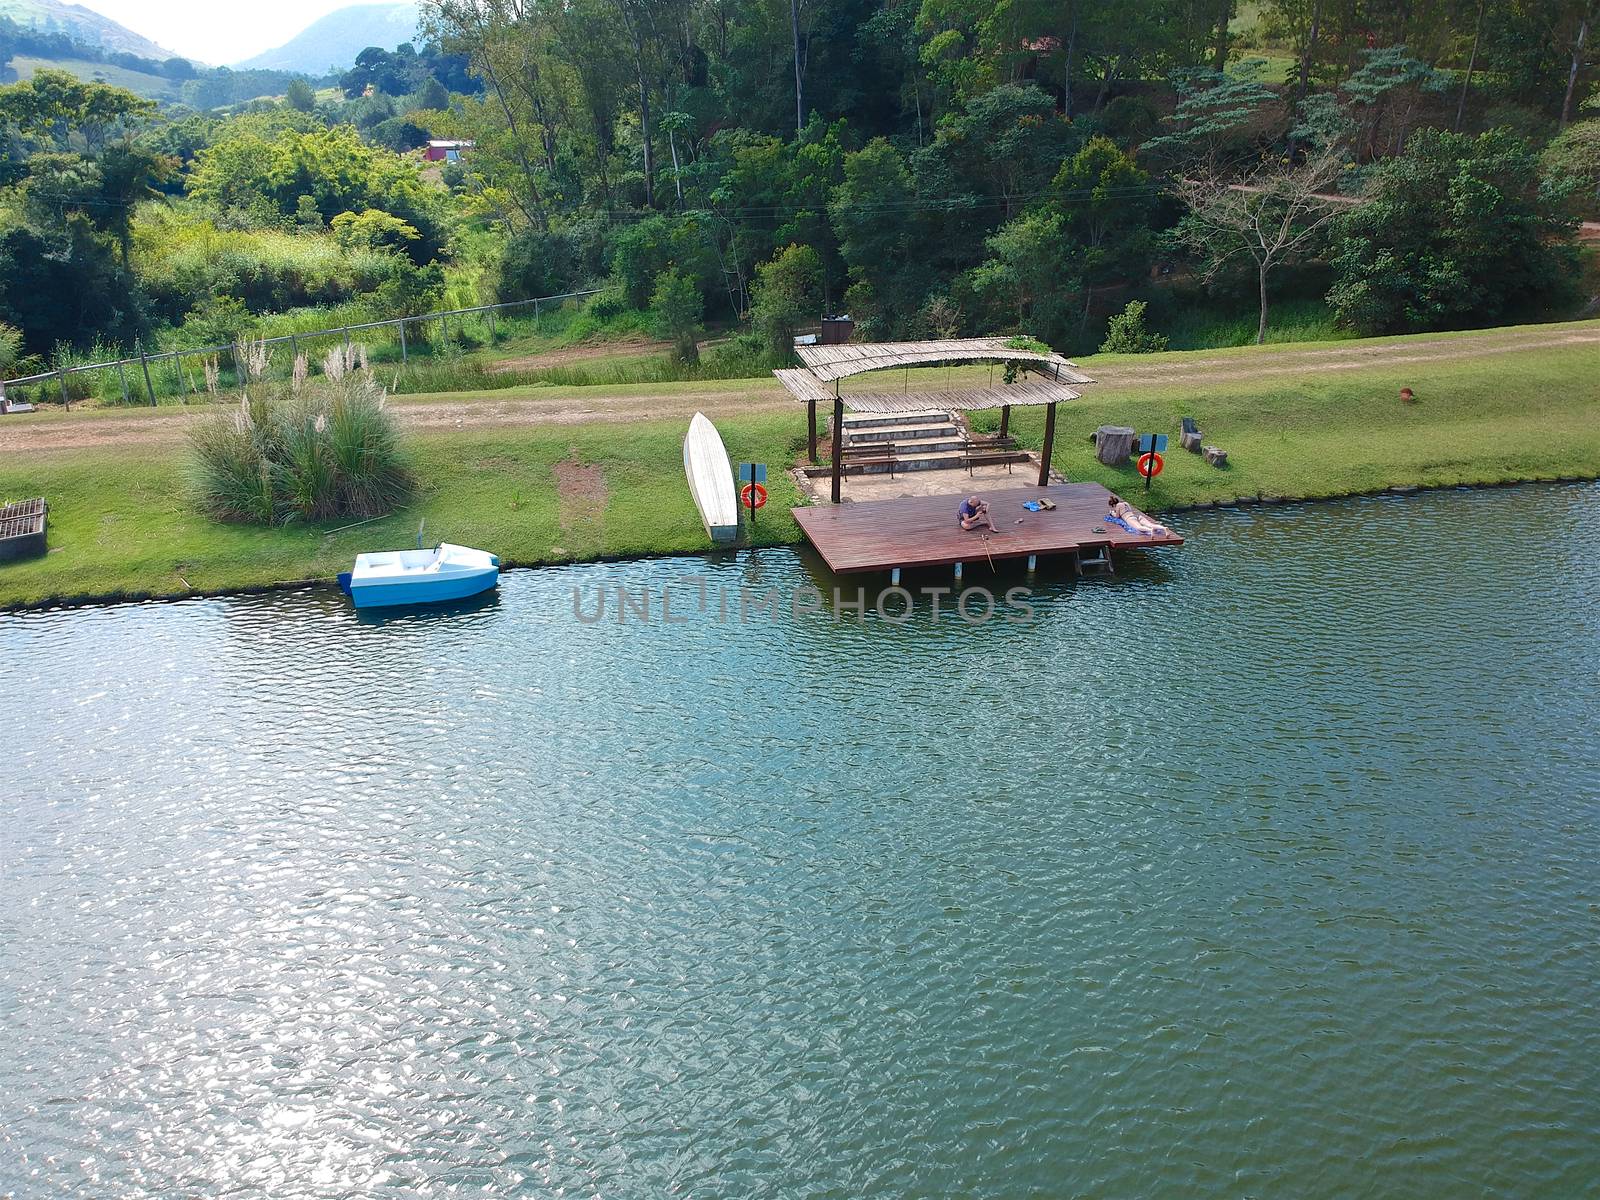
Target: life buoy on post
x=759, y=492
x=1151, y=465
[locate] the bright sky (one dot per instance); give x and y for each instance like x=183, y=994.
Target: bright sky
x=216, y=31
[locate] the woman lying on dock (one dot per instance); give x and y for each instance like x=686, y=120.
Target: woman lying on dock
x=1131, y=519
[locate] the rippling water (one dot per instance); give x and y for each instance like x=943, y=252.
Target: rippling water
x=1266, y=869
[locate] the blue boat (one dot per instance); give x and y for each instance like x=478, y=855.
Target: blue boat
x=403, y=577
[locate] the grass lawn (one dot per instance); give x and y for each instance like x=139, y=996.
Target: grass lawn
x=1332, y=433
x=122, y=523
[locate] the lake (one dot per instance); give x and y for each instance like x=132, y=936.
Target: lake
x=1267, y=868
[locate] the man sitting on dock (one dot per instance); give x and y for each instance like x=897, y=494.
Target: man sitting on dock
x=974, y=514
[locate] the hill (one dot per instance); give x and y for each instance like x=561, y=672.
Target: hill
x=332, y=43
x=82, y=26
x=152, y=87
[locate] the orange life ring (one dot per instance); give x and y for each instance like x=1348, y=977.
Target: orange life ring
x=760, y=492
x=1151, y=465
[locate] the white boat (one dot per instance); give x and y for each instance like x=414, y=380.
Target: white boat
x=706, y=464
x=398, y=577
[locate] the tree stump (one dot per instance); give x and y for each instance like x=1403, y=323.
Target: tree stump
x=1190, y=441
x=1113, y=444
x=1217, y=458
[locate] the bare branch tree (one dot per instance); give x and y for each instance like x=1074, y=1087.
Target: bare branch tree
x=1271, y=215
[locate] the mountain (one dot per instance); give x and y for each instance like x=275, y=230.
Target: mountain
x=83, y=26
x=332, y=43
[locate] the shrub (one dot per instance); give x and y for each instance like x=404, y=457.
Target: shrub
x=788, y=291
x=1126, y=333
x=292, y=452
x=10, y=348
x=678, y=306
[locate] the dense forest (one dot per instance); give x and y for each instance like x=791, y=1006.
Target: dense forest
x=932, y=168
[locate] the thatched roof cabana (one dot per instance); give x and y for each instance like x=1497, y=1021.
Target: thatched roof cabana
x=825, y=366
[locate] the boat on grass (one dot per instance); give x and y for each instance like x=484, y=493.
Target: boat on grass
x=392, y=578
x=705, y=462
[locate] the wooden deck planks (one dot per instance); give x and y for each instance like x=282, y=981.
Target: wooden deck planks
x=922, y=531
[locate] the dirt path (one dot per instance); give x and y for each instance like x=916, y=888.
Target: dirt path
x=573, y=406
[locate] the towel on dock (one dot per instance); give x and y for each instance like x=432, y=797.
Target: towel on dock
x=1114, y=519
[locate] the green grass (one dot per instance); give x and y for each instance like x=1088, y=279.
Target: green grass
x=152, y=87
x=1211, y=327
x=125, y=522
x=123, y=519
x=1529, y=416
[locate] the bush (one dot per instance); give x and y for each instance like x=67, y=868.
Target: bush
x=290, y=452
x=1126, y=333
x=677, y=307
x=539, y=263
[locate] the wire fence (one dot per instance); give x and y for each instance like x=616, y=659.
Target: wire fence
x=140, y=364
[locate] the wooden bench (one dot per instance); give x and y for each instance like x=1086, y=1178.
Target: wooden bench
x=878, y=454
x=982, y=442
x=989, y=458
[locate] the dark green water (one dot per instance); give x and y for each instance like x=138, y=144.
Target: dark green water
x=1266, y=869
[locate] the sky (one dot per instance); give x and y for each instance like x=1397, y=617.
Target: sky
x=216, y=31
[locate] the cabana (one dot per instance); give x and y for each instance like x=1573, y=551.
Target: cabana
x=818, y=380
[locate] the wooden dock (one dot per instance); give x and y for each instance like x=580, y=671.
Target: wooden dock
x=922, y=531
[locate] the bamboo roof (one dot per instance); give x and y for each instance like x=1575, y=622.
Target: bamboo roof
x=958, y=399
x=828, y=363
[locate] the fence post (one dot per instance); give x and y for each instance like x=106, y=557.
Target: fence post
x=149, y=387
x=294, y=346
x=491, y=325
x=404, y=361
x=347, y=341
x=66, y=397
x=122, y=374
x=536, y=316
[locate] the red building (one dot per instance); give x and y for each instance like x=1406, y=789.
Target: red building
x=446, y=151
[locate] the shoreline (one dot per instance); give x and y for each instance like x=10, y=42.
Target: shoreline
x=110, y=599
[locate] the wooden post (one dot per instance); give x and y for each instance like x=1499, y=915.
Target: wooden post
x=404, y=360
x=294, y=347
x=491, y=324
x=122, y=374
x=347, y=342
x=811, y=414
x=66, y=397
x=1049, y=444
x=149, y=387
x=1005, y=419
x=838, y=443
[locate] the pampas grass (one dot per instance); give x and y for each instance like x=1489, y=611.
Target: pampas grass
x=297, y=452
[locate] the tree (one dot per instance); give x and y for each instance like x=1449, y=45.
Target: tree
x=787, y=292
x=300, y=96
x=1457, y=228
x=1126, y=333
x=1574, y=157
x=1271, y=215
x=677, y=306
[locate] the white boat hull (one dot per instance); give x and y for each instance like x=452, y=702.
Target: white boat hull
x=393, y=578
x=705, y=463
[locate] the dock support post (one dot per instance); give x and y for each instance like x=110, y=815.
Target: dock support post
x=894, y=577
x=1049, y=445
x=1005, y=419
x=958, y=570
x=811, y=415
x=838, y=443
x=1033, y=563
